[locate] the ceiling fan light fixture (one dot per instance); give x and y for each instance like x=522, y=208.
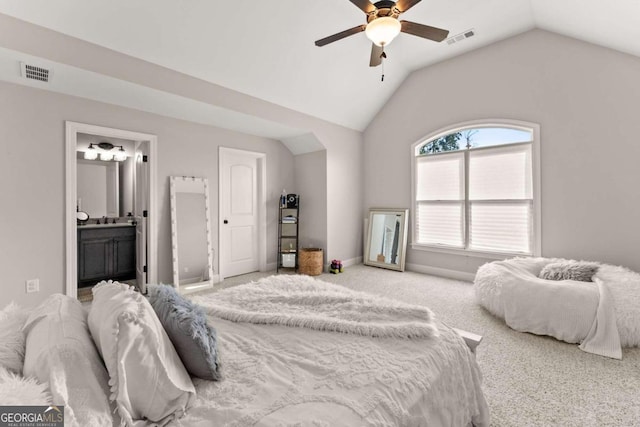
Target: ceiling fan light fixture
x=381, y=31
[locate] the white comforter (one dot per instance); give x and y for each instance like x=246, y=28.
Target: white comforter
x=286, y=376
x=276, y=375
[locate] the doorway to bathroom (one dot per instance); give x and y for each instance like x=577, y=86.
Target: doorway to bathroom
x=110, y=181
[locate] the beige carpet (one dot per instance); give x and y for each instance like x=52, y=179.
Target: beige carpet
x=528, y=380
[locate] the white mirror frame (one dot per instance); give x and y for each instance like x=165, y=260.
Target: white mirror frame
x=184, y=184
x=402, y=241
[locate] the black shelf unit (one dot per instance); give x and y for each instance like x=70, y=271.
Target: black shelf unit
x=288, y=234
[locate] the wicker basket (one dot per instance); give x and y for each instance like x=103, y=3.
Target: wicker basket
x=310, y=261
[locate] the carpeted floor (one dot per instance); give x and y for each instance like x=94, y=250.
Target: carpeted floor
x=528, y=380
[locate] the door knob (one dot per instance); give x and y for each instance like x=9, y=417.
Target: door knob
x=225, y=221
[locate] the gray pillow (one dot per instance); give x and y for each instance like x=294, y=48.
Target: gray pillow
x=186, y=325
x=569, y=270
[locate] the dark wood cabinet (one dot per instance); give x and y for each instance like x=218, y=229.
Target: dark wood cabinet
x=106, y=253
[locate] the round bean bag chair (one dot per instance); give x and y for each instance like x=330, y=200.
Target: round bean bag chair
x=566, y=309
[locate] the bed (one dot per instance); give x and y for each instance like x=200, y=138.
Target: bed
x=279, y=375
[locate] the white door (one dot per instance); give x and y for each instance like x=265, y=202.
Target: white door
x=141, y=253
x=238, y=212
x=140, y=208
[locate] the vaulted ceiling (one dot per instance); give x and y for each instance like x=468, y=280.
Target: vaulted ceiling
x=266, y=49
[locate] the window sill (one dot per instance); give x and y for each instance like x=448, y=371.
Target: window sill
x=467, y=252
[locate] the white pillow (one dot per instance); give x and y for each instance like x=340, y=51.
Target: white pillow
x=16, y=390
x=60, y=352
x=12, y=339
x=148, y=380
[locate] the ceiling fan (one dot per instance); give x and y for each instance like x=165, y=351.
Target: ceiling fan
x=383, y=26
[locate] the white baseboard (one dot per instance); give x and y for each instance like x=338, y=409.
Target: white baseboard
x=352, y=261
x=345, y=263
x=442, y=272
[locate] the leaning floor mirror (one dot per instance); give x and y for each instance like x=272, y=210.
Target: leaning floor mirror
x=386, y=242
x=191, y=234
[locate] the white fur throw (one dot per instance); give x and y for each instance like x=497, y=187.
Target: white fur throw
x=12, y=339
x=301, y=301
x=623, y=284
x=15, y=390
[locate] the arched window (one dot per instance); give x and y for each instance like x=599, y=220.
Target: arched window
x=475, y=189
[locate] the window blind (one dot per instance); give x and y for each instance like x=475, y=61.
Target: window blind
x=441, y=223
x=501, y=199
x=440, y=199
x=501, y=227
x=497, y=208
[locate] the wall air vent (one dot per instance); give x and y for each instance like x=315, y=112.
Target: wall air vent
x=459, y=37
x=33, y=72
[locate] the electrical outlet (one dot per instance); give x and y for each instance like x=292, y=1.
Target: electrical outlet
x=32, y=285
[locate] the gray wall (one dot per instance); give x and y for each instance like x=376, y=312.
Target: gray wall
x=585, y=99
x=343, y=146
x=311, y=184
x=32, y=179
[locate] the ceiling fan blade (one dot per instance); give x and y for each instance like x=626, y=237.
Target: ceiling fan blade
x=376, y=55
x=424, y=31
x=404, y=5
x=341, y=35
x=364, y=5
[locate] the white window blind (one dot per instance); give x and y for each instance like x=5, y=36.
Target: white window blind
x=441, y=177
x=478, y=199
x=441, y=224
x=502, y=172
x=501, y=199
x=501, y=227
x=440, y=198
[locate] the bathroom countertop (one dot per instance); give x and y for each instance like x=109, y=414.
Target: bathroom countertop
x=118, y=224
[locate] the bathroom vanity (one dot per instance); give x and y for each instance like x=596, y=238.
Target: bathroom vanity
x=106, y=252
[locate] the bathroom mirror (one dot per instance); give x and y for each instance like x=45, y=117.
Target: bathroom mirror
x=386, y=242
x=191, y=233
x=98, y=187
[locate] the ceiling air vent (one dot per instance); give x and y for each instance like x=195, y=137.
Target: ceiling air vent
x=459, y=37
x=33, y=72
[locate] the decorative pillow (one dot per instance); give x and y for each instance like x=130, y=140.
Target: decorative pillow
x=186, y=324
x=569, y=270
x=60, y=352
x=148, y=381
x=12, y=339
x=16, y=390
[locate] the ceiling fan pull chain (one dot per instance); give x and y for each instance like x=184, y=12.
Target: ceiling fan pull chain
x=382, y=58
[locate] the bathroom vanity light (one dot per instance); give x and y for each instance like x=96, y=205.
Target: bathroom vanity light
x=91, y=153
x=120, y=155
x=105, y=155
